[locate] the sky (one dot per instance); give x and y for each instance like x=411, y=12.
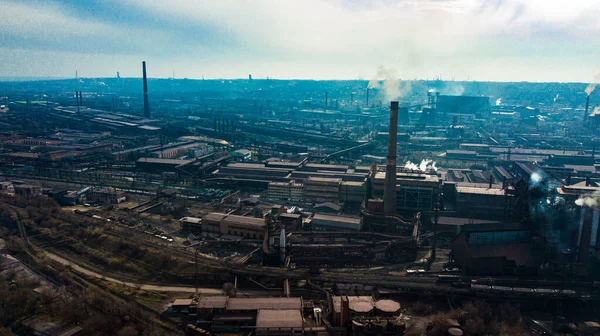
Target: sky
x=491, y=40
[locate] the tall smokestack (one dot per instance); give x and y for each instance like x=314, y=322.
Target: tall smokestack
x=587, y=107
x=215, y=126
x=146, y=105
x=585, y=234
x=326, y=99
x=367, y=97
x=389, y=189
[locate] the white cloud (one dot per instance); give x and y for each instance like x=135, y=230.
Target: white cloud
x=337, y=38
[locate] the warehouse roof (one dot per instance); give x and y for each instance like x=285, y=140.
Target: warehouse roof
x=212, y=302
x=214, y=216
x=263, y=303
x=164, y=161
x=244, y=221
x=279, y=318
x=480, y=191
x=336, y=218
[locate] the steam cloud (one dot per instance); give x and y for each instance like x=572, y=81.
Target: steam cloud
x=591, y=201
x=592, y=86
x=390, y=85
x=498, y=101
x=425, y=165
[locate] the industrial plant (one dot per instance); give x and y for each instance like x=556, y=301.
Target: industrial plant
x=276, y=207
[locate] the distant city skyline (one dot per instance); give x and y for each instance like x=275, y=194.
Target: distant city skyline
x=499, y=40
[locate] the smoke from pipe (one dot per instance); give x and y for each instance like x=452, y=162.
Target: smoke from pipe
x=592, y=86
x=424, y=166
x=388, y=81
x=591, y=201
x=498, y=101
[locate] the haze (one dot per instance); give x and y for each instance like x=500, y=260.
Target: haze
x=502, y=40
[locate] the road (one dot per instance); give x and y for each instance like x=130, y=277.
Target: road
x=156, y=288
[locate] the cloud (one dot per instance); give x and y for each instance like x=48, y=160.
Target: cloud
x=318, y=38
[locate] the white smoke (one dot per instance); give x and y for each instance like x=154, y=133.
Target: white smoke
x=425, y=165
x=388, y=81
x=498, y=101
x=592, y=200
x=556, y=97
x=592, y=86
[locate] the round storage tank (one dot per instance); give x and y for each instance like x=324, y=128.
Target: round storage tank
x=387, y=306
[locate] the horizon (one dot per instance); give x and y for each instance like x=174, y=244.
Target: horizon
x=500, y=41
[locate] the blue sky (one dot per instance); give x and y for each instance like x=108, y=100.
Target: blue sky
x=499, y=40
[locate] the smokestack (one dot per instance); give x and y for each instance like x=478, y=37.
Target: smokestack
x=587, y=107
x=568, y=180
x=389, y=189
x=587, y=181
x=367, y=97
x=326, y=100
x=585, y=234
x=146, y=105
x=491, y=181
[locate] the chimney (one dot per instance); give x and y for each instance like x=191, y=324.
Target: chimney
x=587, y=107
x=585, y=234
x=215, y=125
x=594, y=153
x=568, y=180
x=326, y=100
x=587, y=181
x=491, y=181
x=146, y=105
x=367, y=97
x=80, y=98
x=389, y=189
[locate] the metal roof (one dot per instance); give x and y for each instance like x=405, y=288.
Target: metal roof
x=279, y=318
x=263, y=303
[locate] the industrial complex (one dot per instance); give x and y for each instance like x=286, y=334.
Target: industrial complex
x=273, y=207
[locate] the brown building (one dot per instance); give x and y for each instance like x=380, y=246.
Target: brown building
x=241, y=226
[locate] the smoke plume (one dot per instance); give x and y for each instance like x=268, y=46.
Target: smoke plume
x=592, y=86
x=424, y=166
x=591, y=201
x=388, y=81
x=498, y=101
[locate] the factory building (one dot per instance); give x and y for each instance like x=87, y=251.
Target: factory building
x=266, y=316
x=505, y=248
x=160, y=165
x=475, y=201
x=415, y=191
x=449, y=106
x=318, y=189
x=105, y=196
x=253, y=171
x=286, y=191
x=325, y=222
x=317, y=167
x=352, y=192
x=233, y=225
x=26, y=191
